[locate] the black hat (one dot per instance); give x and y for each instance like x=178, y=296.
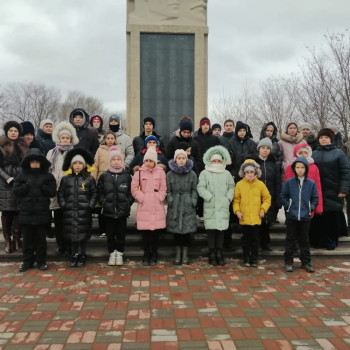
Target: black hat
x=89, y=159
x=35, y=154
x=27, y=128
x=216, y=126
x=12, y=124
x=183, y=145
x=326, y=132
x=186, y=125
x=240, y=125
x=149, y=119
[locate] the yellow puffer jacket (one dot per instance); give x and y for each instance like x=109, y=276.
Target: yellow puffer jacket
x=249, y=199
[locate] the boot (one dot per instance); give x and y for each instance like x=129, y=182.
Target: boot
x=81, y=260
x=177, y=260
x=145, y=258
x=154, y=258
x=219, y=258
x=6, y=230
x=212, y=257
x=185, y=259
x=16, y=244
x=74, y=260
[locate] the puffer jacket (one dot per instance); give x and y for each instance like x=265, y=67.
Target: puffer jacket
x=276, y=150
x=335, y=175
x=139, y=142
x=181, y=198
x=77, y=197
x=216, y=187
x=251, y=198
x=138, y=160
x=11, y=155
x=34, y=187
x=101, y=161
x=148, y=187
x=125, y=144
x=287, y=144
x=299, y=201
x=313, y=174
x=114, y=194
x=44, y=141
x=88, y=137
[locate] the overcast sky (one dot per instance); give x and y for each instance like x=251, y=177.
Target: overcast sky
x=80, y=44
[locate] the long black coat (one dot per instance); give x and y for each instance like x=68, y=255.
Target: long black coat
x=34, y=187
x=77, y=197
x=335, y=175
x=114, y=194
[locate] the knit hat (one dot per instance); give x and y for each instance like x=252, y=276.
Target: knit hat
x=186, y=125
x=216, y=156
x=240, y=125
x=203, y=121
x=326, y=132
x=178, y=152
x=27, y=128
x=115, y=117
x=249, y=164
x=216, y=126
x=305, y=126
x=44, y=122
x=78, y=158
x=149, y=119
x=149, y=138
x=151, y=154
x=96, y=117
x=183, y=145
x=115, y=151
x=12, y=124
x=266, y=141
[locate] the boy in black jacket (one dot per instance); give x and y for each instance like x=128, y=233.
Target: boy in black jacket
x=34, y=187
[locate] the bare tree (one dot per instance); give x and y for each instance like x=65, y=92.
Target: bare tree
x=3, y=104
x=224, y=108
x=77, y=99
x=31, y=102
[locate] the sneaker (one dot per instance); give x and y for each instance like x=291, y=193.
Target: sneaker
x=246, y=263
x=254, y=264
x=119, y=259
x=42, y=267
x=103, y=235
x=81, y=260
x=112, y=258
x=308, y=268
x=288, y=268
x=24, y=267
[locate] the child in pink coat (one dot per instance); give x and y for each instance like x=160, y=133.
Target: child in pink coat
x=304, y=150
x=148, y=187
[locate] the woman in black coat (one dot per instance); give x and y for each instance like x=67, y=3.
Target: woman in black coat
x=335, y=181
x=77, y=197
x=12, y=150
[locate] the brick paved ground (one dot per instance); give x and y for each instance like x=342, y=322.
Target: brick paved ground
x=196, y=307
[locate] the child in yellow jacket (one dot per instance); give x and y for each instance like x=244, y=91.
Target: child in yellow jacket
x=251, y=202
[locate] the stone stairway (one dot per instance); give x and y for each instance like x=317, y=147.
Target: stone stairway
x=97, y=246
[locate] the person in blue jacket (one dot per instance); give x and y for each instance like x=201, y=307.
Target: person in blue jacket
x=299, y=198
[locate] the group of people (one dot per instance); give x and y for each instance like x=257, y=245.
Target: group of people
x=76, y=168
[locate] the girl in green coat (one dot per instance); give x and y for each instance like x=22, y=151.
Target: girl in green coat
x=216, y=187
x=182, y=200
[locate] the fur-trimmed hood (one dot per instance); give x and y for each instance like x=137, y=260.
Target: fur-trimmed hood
x=35, y=154
x=86, y=117
x=226, y=159
x=89, y=159
x=65, y=126
x=292, y=139
x=183, y=169
x=274, y=135
x=250, y=162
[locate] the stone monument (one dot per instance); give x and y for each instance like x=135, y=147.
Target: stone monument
x=167, y=62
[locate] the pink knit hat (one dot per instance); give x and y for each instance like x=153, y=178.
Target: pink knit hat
x=115, y=151
x=151, y=154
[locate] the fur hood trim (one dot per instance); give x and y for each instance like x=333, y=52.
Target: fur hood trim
x=184, y=169
x=226, y=159
x=65, y=126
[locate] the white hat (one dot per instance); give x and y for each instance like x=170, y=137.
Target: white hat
x=78, y=158
x=151, y=154
x=216, y=156
x=179, y=151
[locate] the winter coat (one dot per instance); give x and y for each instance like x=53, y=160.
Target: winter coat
x=44, y=141
x=313, y=174
x=11, y=155
x=101, y=161
x=299, y=201
x=125, y=144
x=138, y=160
x=276, y=150
x=271, y=177
x=226, y=140
x=77, y=197
x=33, y=188
x=338, y=140
x=195, y=149
x=335, y=175
x=311, y=140
x=148, y=187
x=216, y=187
x=88, y=137
x=287, y=144
x=181, y=198
x=138, y=142
x=242, y=149
x=114, y=194
x=250, y=199
x=205, y=141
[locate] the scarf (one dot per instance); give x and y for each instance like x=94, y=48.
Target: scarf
x=60, y=147
x=116, y=169
x=215, y=168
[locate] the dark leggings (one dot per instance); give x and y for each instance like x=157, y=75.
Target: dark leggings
x=215, y=239
x=182, y=240
x=78, y=248
x=150, y=240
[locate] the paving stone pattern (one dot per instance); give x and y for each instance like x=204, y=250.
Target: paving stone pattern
x=165, y=307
